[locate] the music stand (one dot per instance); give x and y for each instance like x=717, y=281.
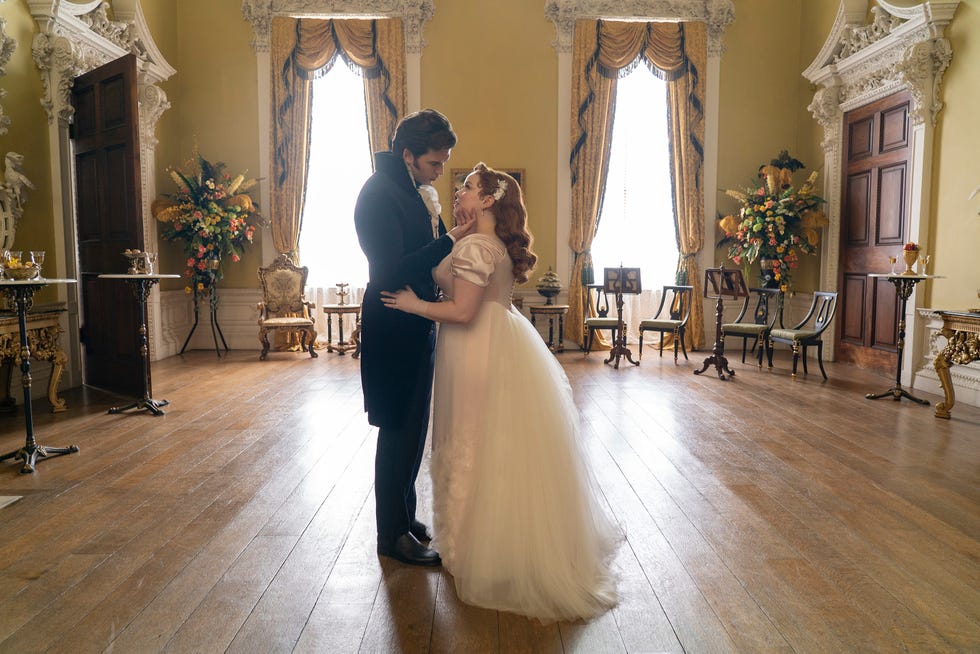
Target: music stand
x=620, y=281
x=721, y=283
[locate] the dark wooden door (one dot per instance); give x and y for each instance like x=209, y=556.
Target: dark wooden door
x=105, y=136
x=874, y=225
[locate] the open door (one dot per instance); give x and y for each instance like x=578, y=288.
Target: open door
x=105, y=139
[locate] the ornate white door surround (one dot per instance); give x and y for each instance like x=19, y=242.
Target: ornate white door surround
x=72, y=39
x=901, y=49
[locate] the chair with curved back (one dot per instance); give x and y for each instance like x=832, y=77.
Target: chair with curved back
x=598, y=317
x=808, y=332
x=671, y=317
x=756, y=325
x=283, y=306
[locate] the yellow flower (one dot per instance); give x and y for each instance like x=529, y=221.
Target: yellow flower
x=187, y=289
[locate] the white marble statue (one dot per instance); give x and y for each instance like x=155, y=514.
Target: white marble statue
x=12, y=197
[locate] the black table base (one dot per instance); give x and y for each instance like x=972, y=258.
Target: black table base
x=903, y=286
x=22, y=296
x=718, y=358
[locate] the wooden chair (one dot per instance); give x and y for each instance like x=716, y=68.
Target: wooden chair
x=671, y=317
x=757, y=325
x=598, y=317
x=807, y=332
x=283, y=306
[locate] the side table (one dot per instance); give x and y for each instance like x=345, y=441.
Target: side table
x=342, y=346
x=552, y=311
x=904, y=284
x=142, y=283
x=21, y=293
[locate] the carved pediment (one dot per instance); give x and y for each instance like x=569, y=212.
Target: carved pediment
x=900, y=48
x=414, y=15
x=716, y=14
x=74, y=38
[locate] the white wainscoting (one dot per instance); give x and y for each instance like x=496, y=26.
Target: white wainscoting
x=237, y=317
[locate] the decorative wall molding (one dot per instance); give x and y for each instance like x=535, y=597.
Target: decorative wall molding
x=902, y=48
x=414, y=15
x=716, y=14
x=7, y=46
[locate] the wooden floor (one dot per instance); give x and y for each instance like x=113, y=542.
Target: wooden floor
x=762, y=515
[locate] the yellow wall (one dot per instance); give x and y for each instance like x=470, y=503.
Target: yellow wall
x=954, y=238
x=27, y=135
x=494, y=74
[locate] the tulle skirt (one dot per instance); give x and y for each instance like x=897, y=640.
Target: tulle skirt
x=516, y=512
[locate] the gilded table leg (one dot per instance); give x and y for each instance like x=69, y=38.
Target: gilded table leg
x=58, y=362
x=942, y=364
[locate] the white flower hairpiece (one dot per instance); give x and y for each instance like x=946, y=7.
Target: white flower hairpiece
x=501, y=189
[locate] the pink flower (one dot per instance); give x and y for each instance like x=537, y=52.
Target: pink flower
x=235, y=257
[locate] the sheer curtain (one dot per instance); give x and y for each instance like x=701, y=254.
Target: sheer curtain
x=340, y=163
x=636, y=227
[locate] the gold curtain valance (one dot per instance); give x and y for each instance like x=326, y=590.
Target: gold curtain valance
x=659, y=45
x=318, y=42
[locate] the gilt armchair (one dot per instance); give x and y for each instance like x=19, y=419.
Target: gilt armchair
x=283, y=306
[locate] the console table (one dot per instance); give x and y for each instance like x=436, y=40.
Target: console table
x=904, y=284
x=962, y=332
x=21, y=294
x=142, y=283
x=43, y=329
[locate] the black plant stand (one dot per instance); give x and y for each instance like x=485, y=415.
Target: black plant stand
x=21, y=293
x=141, y=284
x=904, y=284
x=215, y=327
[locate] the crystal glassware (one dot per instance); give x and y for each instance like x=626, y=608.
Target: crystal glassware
x=923, y=262
x=37, y=256
x=892, y=259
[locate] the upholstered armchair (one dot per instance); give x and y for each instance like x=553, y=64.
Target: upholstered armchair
x=283, y=306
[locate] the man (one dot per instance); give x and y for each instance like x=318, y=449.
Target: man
x=402, y=236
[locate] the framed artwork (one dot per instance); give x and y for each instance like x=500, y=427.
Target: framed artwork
x=458, y=176
x=622, y=280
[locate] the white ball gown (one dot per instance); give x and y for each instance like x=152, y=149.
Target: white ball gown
x=516, y=514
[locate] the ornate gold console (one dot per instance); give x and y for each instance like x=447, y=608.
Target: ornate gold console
x=962, y=332
x=43, y=329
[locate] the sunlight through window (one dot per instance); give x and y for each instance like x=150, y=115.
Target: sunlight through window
x=636, y=228
x=340, y=163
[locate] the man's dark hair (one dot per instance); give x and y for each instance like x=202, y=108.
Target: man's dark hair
x=423, y=131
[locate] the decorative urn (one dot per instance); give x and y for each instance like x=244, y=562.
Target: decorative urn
x=549, y=286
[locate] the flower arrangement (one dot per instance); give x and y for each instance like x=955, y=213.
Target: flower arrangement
x=911, y=247
x=212, y=214
x=775, y=222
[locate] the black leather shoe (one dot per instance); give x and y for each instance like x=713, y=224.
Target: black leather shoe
x=420, y=531
x=407, y=549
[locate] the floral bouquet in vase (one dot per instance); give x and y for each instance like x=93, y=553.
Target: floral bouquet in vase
x=775, y=222
x=212, y=214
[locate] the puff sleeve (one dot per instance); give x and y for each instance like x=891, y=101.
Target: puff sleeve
x=475, y=258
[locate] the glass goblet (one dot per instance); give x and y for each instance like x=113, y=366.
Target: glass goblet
x=11, y=258
x=37, y=256
x=892, y=259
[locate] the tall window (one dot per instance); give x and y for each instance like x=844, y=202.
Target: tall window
x=636, y=226
x=340, y=163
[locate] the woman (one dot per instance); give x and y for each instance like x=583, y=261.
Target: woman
x=516, y=513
